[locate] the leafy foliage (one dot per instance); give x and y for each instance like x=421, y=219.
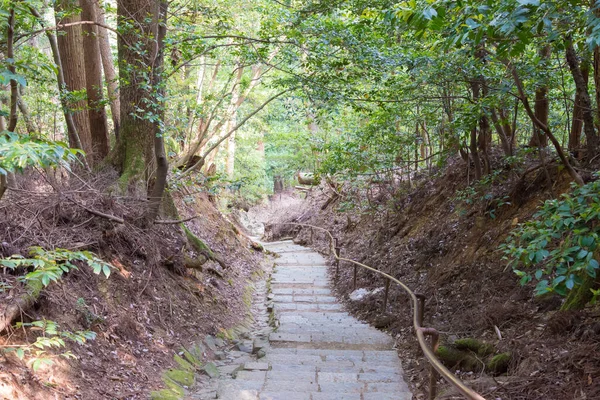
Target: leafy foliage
x=559, y=246
x=51, y=337
x=18, y=152
x=50, y=265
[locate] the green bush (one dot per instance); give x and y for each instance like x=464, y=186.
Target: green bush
x=557, y=248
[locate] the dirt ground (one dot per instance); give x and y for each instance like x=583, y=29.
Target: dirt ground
x=427, y=236
x=148, y=308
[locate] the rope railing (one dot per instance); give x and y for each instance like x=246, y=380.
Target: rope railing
x=418, y=308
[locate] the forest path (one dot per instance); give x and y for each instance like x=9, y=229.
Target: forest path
x=318, y=351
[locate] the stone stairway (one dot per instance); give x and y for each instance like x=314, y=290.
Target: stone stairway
x=317, y=350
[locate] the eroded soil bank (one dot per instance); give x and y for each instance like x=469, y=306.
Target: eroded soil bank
x=165, y=292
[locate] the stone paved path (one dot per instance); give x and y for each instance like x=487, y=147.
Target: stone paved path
x=317, y=351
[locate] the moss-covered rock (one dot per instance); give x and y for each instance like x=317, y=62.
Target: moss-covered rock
x=482, y=349
x=455, y=358
x=185, y=365
x=499, y=363
x=165, y=394
x=182, y=377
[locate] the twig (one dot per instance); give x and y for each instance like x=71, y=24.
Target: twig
x=173, y=222
x=99, y=213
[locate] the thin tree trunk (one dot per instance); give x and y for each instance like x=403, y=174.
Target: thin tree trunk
x=93, y=76
x=541, y=106
x=574, y=144
x=561, y=154
x=14, y=86
x=70, y=46
x=29, y=125
x=162, y=164
x=473, y=145
x=581, y=87
x=108, y=65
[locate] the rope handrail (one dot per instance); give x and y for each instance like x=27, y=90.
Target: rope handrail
x=417, y=322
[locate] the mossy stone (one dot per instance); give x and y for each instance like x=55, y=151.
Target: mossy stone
x=183, y=363
x=185, y=378
x=482, y=349
x=165, y=394
x=499, y=363
x=455, y=358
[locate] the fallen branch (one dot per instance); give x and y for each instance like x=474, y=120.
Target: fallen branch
x=173, y=222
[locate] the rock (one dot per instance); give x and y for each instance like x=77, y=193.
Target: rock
x=256, y=366
x=219, y=342
x=219, y=355
x=358, y=294
x=259, y=344
x=211, y=370
x=261, y=353
x=244, y=347
x=210, y=342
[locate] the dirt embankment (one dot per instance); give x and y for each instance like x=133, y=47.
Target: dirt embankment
x=152, y=304
x=442, y=240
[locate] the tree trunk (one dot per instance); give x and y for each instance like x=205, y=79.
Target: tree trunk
x=523, y=98
x=162, y=164
x=581, y=87
x=577, y=122
x=93, y=75
x=134, y=154
x=110, y=76
x=70, y=47
x=14, y=86
x=473, y=145
x=541, y=107
x=60, y=79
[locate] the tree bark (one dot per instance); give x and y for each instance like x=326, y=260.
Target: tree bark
x=473, y=145
x=14, y=86
x=581, y=88
x=70, y=47
x=541, y=107
x=60, y=79
x=110, y=76
x=577, y=122
x=162, y=165
x=93, y=77
x=134, y=153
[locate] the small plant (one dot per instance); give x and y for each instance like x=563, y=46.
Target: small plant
x=558, y=247
x=52, y=337
x=50, y=265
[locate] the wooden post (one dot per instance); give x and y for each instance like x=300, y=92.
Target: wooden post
x=421, y=308
x=355, y=272
x=385, y=297
x=433, y=374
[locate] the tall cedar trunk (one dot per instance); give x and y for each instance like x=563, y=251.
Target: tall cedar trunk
x=60, y=80
x=70, y=47
x=108, y=65
x=134, y=153
x=541, y=107
x=162, y=165
x=473, y=145
x=577, y=122
x=581, y=87
x=93, y=77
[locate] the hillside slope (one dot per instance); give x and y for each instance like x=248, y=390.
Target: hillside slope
x=164, y=293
